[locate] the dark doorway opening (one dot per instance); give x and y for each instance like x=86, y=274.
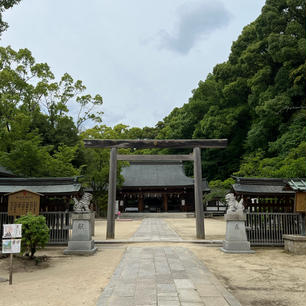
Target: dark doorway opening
x=153, y=204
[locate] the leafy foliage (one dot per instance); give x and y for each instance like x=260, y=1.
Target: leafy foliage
x=35, y=233
x=218, y=189
x=38, y=137
x=290, y=165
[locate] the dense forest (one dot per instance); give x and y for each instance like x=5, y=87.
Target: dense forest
x=256, y=99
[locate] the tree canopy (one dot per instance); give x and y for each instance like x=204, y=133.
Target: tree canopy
x=38, y=135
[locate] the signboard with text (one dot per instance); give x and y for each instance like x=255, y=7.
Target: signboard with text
x=23, y=202
x=300, y=202
x=12, y=230
x=11, y=246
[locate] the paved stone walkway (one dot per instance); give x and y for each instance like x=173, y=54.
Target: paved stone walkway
x=164, y=276
x=154, y=229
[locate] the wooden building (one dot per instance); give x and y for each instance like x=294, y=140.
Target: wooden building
x=264, y=194
x=56, y=192
x=157, y=187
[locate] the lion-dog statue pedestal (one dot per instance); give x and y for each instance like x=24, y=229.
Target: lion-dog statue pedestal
x=80, y=242
x=235, y=237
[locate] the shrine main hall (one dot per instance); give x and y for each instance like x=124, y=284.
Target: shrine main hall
x=157, y=187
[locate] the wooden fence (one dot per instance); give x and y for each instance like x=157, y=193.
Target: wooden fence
x=268, y=228
x=58, y=222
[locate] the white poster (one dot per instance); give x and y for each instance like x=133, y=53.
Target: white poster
x=11, y=246
x=12, y=230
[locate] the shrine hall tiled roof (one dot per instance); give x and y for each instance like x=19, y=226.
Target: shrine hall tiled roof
x=257, y=186
x=157, y=174
x=46, y=186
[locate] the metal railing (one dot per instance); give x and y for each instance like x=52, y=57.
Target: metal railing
x=268, y=228
x=58, y=222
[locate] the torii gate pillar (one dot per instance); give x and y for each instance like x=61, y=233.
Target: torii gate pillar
x=110, y=231
x=198, y=193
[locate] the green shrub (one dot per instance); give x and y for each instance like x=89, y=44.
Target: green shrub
x=35, y=233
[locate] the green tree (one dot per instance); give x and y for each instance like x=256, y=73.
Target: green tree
x=35, y=233
x=218, y=189
x=38, y=137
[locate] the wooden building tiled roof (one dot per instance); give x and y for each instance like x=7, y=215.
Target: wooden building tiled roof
x=260, y=186
x=5, y=172
x=297, y=184
x=157, y=174
x=45, y=186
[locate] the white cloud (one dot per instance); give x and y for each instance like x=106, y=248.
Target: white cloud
x=196, y=20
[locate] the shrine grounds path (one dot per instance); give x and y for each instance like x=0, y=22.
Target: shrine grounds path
x=163, y=275
x=270, y=277
x=155, y=230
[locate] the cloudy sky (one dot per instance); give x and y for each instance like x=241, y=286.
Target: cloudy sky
x=143, y=56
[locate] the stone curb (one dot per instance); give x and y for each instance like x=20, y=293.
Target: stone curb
x=206, y=242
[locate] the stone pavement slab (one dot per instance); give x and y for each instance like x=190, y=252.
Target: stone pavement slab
x=152, y=229
x=164, y=276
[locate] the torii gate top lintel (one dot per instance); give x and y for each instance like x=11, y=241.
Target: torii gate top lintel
x=155, y=143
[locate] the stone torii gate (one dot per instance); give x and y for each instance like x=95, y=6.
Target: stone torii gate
x=195, y=144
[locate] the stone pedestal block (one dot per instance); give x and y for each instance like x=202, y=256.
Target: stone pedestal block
x=235, y=237
x=295, y=244
x=80, y=242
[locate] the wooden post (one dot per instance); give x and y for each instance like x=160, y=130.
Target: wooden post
x=198, y=194
x=140, y=203
x=165, y=202
x=11, y=269
x=110, y=231
x=11, y=263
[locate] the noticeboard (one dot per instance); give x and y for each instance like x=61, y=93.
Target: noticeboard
x=23, y=202
x=12, y=230
x=11, y=246
x=300, y=202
